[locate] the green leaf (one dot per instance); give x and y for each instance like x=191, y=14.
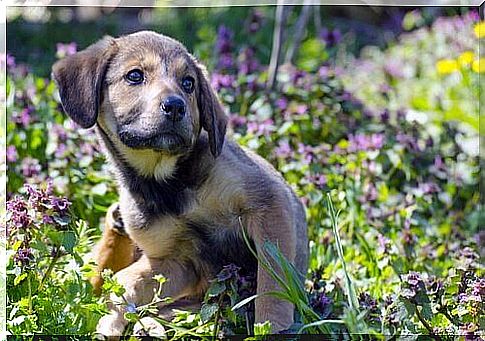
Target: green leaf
x=244, y=302
x=131, y=317
x=216, y=289
x=262, y=328
x=69, y=241
x=427, y=312
x=62, y=221
x=160, y=279
x=207, y=311
x=19, y=278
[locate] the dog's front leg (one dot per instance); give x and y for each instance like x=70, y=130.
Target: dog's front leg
x=140, y=288
x=275, y=226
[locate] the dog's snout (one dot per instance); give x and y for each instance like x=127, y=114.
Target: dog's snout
x=173, y=108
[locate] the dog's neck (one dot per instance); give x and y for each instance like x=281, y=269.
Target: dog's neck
x=167, y=195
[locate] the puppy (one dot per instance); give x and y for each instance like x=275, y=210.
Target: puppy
x=184, y=194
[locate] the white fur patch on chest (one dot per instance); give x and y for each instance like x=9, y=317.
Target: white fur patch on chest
x=150, y=163
x=165, y=168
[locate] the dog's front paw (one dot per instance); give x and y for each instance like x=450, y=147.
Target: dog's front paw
x=148, y=326
x=111, y=325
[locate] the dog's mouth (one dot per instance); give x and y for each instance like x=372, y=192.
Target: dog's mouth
x=166, y=141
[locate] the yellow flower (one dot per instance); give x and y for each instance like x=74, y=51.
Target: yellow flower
x=446, y=66
x=478, y=65
x=480, y=29
x=466, y=58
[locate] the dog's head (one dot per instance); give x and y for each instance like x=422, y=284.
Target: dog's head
x=145, y=91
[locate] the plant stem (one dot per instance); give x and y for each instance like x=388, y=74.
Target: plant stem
x=49, y=269
x=30, y=295
x=426, y=325
x=216, y=324
x=277, y=42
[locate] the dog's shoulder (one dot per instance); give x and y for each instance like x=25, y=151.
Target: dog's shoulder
x=244, y=180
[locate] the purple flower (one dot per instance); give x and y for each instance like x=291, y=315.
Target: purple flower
x=370, y=193
x=408, y=141
x=23, y=256
x=469, y=330
x=17, y=212
x=247, y=62
x=281, y=103
x=237, y=121
x=320, y=180
x=59, y=131
x=255, y=21
x=261, y=128
x=60, y=204
x=478, y=287
x=401, y=114
x=9, y=61
x=228, y=272
x=438, y=163
x=64, y=50
x=469, y=253
x=301, y=109
x=38, y=198
x=86, y=149
x=12, y=154
x=362, y=142
x=369, y=304
x=384, y=244
x=321, y=303
x=24, y=117
x=385, y=116
x=413, y=284
x=47, y=219
x=225, y=61
x=429, y=188
x=283, y=150
x=224, y=40
x=408, y=238
x=394, y=68
x=296, y=75
x=306, y=152
x=30, y=167
x=61, y=150
x=324, y=71
x=220, y=81
x=332, y=37
x=434, y=286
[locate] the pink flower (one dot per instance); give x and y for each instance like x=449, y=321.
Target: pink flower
x=12, y=154
x=64, y=50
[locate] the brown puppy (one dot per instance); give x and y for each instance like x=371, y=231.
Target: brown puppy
x=183, y=191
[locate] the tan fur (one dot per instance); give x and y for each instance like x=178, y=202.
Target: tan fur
x=239, y=187
x=114, y=251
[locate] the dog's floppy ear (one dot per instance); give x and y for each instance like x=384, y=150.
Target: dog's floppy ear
x=212, y=115
x=80, y=79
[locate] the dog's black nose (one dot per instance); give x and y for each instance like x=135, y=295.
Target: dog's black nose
x=173, y=108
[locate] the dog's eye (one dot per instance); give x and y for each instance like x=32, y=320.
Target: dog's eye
x=134, y=77
x=188, y=84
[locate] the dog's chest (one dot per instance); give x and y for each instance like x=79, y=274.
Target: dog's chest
x=210, y=237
